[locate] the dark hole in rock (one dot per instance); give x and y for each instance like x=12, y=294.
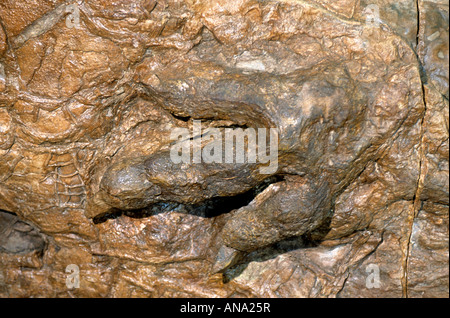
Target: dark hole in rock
x=182, y=118
x=308, y=240
x=207, y=209
x=268, y=253
x=19, y=237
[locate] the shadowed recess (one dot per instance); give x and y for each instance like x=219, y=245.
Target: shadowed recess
x=207, y=209
x=19, y=237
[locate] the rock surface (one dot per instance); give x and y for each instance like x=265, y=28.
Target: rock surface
x=90, y=92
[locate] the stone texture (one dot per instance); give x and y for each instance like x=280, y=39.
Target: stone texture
x=90, y=92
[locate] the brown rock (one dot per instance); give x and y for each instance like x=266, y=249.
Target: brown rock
x=357, y=205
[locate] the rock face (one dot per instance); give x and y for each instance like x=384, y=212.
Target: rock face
x=354, y=205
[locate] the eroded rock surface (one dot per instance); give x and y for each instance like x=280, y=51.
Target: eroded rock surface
x=90, y=92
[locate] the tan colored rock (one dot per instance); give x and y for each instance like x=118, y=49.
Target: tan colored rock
x=91, y=91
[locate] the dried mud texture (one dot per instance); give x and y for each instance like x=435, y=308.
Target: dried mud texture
x=90, y=92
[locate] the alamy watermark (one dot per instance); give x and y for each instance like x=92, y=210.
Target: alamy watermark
x=372, y=15
x=73, y=279
x=373, y=279
x=73, y=17
x=227, y=145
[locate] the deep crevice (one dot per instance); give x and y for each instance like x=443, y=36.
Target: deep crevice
x=182, y=118
x=210, y=208
x=268, y=253
x=207, y=120
x=419, y=182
